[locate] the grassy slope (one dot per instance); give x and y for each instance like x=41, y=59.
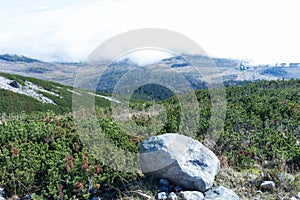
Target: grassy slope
x=11, y=102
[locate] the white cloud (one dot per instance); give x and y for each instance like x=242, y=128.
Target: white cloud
x=265, y=31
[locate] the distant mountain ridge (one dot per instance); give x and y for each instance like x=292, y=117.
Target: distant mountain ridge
x=231, y=71
x=16, y=58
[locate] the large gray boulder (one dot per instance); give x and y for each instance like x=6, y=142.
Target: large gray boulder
x=180, y=159
x=220, y=193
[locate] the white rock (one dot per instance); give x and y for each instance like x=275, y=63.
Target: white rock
x=172, y=196
x=267, y=185
x=180, y=159
x=191, y=195
x=162, y=196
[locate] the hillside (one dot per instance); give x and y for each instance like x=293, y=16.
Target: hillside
x=16, y=58
x=24, y=94
x=196, y=69
x=46, y=155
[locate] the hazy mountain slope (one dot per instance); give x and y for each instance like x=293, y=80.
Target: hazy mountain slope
x=58, y=72
x=230, y=70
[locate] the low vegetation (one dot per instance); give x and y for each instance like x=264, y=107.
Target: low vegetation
x=44, y=154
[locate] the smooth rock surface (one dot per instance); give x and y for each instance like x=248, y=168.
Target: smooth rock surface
x=191, y=195
x=220, y=193
x=180, y=159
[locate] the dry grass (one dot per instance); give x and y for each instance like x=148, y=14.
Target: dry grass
x=245, y=183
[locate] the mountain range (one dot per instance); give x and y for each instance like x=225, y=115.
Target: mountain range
x=196, y=69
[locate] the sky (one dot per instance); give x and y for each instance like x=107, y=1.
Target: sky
x=69, y=30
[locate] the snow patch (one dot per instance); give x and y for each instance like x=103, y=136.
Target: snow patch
x=105, y=97
x=72, y=91
x=28, y=89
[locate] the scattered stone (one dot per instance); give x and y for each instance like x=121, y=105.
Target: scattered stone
x=164, y=182
x=298, y=195
x=172, y=196
x=162, y=196
x=267, y=185
x=2, y=192
x=177, y=189
x=293, y=198
x=191, y=195
x=2, y=198
x=180, y=159
x=220, y=193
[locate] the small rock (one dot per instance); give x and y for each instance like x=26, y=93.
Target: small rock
x=172, y=196
x=163, y=189
x=177, y=189
x=15, y=84
x=293, y=198
x=2, y=192
x=298, y=195
x=267, y=185
x=162, y=196
x=164, y=182
x=220, y=193
x=191, y=195
x=2, y=198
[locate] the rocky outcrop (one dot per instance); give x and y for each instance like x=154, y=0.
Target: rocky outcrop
x=180, y=159
x=185, y=168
